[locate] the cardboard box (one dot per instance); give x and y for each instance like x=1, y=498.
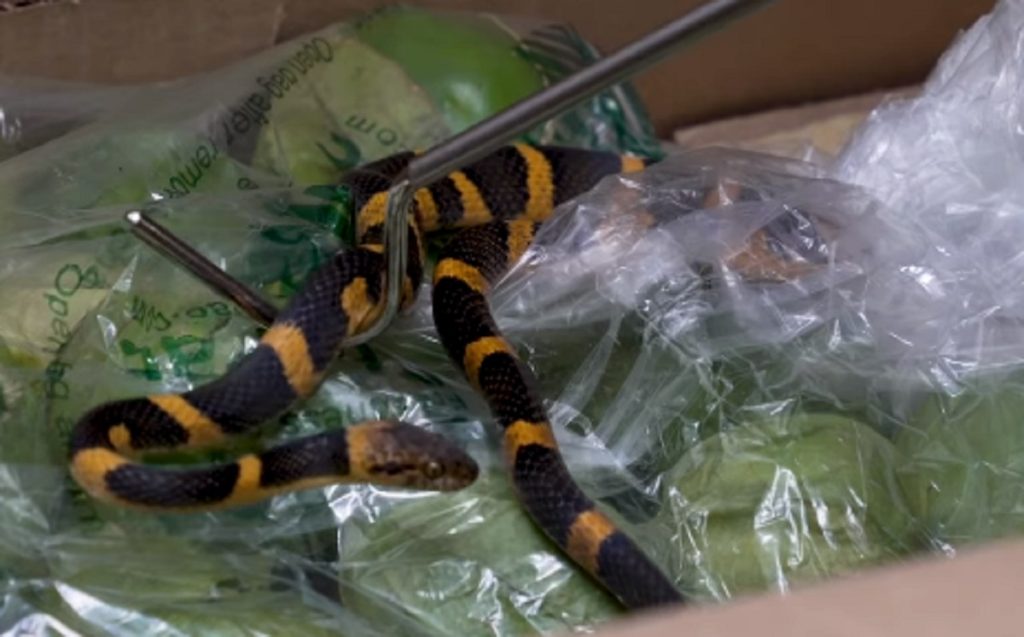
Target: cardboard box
x=974, y=594
x=824, y=126
x=794, y=52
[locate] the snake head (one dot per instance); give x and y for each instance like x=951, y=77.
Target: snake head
x=399, y=454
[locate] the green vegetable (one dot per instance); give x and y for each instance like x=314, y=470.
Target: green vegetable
x=128, y=164
x=63, y=607
x=274, y=614
x=644, y=398
x=964, y=475
x=358, y=107
x=466, y=563
x=147, y=566
x=781, y=500
x=466, y=63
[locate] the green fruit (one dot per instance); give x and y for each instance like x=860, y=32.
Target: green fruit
x=782, y=500
x=964, y=475
x=354, y=108
x=261, y=614
x=466, y=63
x=148, y=582
x=465, y=563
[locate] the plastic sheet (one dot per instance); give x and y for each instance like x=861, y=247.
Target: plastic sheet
x=707, y=430
x=951, y=161
x=91, y=313
x=794, y=373
x=302, y=112
x=34, y=111
x=723, y=408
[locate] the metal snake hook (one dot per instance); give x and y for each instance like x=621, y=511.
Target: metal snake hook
x=466, y=147
x=170, y=245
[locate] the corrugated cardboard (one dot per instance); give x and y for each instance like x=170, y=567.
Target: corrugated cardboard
x=792, y=52
x=824, y=126
x=975, y=595
x=125, y=41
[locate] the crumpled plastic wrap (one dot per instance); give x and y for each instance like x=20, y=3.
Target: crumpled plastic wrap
x=769, y=372
x=719, y=405
x=91, y=313
x=951, y=160
x=708, y=431
x=34, y=111
x=301, y=113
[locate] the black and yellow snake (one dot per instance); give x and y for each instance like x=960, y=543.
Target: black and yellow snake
x=500, y=202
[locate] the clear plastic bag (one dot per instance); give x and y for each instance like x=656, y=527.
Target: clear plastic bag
x=303, y=112
x=34, y=111
x=768, y=372
x=951, y=161
x=91, y=313
x=723, y=405
x=640, y=341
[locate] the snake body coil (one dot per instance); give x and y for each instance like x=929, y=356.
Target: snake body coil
x=500, y=201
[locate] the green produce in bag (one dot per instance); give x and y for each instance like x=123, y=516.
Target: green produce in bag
x=56, y=610
x=304, y=112
x=478, y=566
x=238, y=162
x=964, y=475
x=468, y=64
x=781, y=500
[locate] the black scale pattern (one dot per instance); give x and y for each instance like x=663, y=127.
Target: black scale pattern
x=247, y=394
x=627, y=571
x=315, y=456
x=179, y=488
x=509, y=388
x=501, y=179
x=257, y=390
x=148, y=425
x=546, y=487
x=484, y=247
x=576, y=171
x=461, y=317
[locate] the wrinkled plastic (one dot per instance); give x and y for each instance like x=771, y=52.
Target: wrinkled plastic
x=797, y=372
x=951, y=161
x=721, y=413
x=90, y=313
x=655, y=373
x=303, y=112
x=34, y=111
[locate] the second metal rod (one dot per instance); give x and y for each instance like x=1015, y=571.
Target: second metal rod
x=479, y=140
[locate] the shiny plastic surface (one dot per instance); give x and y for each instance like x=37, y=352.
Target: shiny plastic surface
x=91, y=313
x=951, y=160
x=705, y=424
x=797, y=371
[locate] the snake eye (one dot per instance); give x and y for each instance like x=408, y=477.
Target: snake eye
x=433, y=470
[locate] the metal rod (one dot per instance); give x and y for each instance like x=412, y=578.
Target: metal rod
x=167, y=243
x=486, y=136
x=492, y=133
x=464, y=148
x=396, y=239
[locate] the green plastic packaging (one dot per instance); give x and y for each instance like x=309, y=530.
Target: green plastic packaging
x=752, y=434
x=239, y=163
x=965, y=460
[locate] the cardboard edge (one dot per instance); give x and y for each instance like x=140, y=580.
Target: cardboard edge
x=825, y=125
x=975, y=593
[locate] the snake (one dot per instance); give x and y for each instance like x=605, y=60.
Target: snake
x=495, y=207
